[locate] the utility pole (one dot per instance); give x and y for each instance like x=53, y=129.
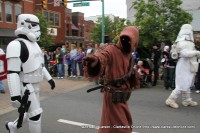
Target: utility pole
x=103, y=26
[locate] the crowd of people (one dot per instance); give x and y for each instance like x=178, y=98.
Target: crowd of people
x=63, y=63
x=68, y=63
x=161, y=65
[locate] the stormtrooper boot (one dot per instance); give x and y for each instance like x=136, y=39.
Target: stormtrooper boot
x=171, y=100
x=35, y=126
x=187, y=100
x=12, y=126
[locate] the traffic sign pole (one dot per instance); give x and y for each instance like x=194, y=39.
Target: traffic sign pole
x=103, y=26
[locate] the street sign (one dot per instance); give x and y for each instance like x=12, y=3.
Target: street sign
x=57, y=2
x=81, y=4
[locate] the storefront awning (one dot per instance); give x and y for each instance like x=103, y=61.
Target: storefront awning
x=74, y=27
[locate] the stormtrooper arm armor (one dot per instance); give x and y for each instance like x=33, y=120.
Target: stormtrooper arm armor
x=189, y=53
x=14, y=67
x=47, y=76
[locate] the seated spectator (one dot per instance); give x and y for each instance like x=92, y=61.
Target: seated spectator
x=141, y=69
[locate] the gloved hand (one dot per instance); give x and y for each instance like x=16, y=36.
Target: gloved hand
x=16, y=101
x=90, y=61
x=52, y=83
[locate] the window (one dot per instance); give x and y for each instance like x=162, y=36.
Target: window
x=0, y=11
x=8, y=11
x=18, y=10
x=53, y=17
x=56, y=19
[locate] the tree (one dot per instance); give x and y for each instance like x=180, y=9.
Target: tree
x=159, y=21
x=45, y=39
x=97, y=31
x=112, y=29
x=119, y=26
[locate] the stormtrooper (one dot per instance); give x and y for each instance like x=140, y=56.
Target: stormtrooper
x=26, y=70
x=186, y=68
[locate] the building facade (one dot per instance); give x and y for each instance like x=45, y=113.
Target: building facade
x=9, y=10
x=65, y=26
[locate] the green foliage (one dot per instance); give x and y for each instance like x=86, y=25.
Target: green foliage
x=159, y=21
x=45, y=39
x=112, y=29
x=97, y=31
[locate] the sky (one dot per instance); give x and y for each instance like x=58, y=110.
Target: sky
x=115, y=7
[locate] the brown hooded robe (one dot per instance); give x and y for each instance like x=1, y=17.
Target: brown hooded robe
x=116, y=117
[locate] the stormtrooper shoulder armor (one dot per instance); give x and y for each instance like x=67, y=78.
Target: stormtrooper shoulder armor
x=13, y=49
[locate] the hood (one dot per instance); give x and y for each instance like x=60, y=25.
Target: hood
x=133, y=33
x=186, y=33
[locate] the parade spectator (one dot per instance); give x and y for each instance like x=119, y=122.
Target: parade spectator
x=73, y=54
x=186, y=67
x=172, y=65
x=165, y=65
x=63, y=49
x=60, y=64
x=46, y=58
x=89, y=50
x=136, y=57
x=140, y=68
x=96, y=48
x=197, y=81
x=50, y=56
x=2, y=87
x=68, y=62
x=79, y=59
x=155, y=57
x=100, y=47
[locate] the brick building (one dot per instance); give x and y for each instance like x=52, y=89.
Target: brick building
x=9, y=10
x=67, y=27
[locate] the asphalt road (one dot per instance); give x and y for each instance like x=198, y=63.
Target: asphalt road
x=150, y=114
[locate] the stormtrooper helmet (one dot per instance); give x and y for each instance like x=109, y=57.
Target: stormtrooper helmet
x=28, y=25
x=186, y=33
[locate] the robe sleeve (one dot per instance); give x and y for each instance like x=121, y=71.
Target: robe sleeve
x=94, y=73
x=188, y=53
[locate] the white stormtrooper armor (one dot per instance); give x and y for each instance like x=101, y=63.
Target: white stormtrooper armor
x=186, y=67
x=26, y=71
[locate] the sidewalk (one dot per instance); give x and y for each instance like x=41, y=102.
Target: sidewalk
x=62, y=86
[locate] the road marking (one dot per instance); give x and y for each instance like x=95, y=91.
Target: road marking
x=77, y=123
x=83, y=125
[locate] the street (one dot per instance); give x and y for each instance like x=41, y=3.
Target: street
x=71, y=111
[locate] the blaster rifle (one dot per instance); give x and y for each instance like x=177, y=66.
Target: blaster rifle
x=25, y=104
x=95, y=88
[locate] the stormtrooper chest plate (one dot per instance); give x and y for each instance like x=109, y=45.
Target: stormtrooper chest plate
x=35, y=59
